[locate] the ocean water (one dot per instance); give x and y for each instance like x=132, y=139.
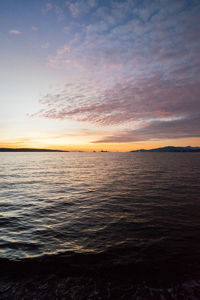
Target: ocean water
x=134, y=208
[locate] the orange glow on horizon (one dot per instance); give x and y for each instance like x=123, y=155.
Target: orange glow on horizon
x=113, y=147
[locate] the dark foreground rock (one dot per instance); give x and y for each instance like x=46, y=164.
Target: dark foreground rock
x=53, y=286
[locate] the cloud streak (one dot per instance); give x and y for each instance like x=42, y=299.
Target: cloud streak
x=157, y=130
x=155, y=98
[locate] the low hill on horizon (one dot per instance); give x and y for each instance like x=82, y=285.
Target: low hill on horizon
x=170, y=149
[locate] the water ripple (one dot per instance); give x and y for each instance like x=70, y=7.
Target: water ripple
x=91, y=202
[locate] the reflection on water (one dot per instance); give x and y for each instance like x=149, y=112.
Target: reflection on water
x=90, y=202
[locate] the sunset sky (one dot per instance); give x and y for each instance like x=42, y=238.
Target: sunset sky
x=92, y=74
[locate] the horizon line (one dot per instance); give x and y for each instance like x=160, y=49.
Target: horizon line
x=27, y=149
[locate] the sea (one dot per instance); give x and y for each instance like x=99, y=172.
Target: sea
x=131, y=215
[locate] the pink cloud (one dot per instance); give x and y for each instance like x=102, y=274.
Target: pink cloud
x=15, y=32
x=129, y=101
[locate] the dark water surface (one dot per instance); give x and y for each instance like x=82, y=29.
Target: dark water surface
x=141, y=208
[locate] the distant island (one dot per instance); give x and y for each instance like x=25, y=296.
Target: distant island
x=170, y=149
x=29, y=150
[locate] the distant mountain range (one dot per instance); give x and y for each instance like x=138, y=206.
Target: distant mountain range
x=28, y=150
x=171, y=149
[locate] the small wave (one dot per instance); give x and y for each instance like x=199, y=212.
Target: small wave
x=8, y=221
x=15, y=245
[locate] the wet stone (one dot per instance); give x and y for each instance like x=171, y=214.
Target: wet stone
x=43, y=286
x=4, y=286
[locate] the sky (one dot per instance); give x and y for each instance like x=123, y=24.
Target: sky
x=96, y=74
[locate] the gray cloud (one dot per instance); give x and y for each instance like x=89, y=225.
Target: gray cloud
x=156, y=130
